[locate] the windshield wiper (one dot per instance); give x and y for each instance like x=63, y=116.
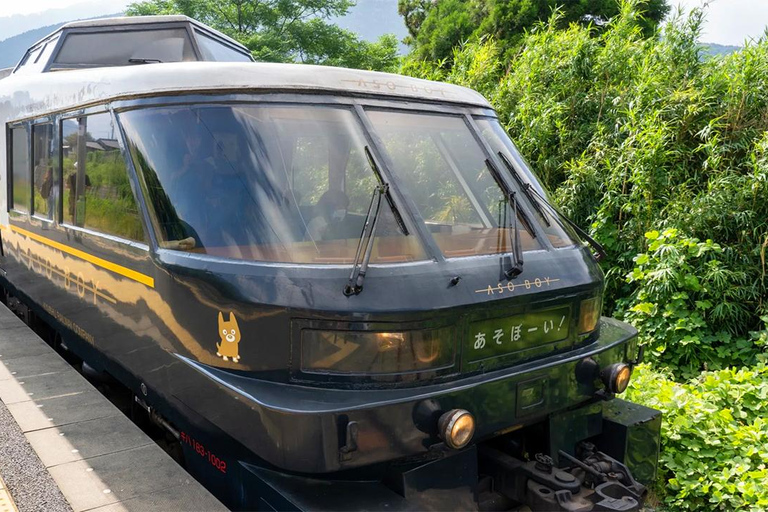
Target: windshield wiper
x=365, y=245
x=537, y=200
x=387, y=194
x=145, y=61
x=510, y=203
x=525, y=187
x=367, y=236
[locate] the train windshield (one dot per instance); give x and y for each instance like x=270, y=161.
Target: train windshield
x=443, y=168
x=293, y=183
x=279, y=184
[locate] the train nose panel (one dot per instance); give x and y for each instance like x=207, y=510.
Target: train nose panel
x=309, y=429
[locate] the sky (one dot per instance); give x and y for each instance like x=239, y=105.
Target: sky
x=731, y=21
x=728, y=21
x=10, y=7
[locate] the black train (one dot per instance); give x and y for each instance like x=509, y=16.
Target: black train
x=337, y=289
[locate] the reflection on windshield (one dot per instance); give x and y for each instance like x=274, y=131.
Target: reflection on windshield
x=443, y=169
x=281, y=184
x=498, y=140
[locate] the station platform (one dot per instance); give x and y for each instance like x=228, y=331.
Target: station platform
x=65, y=447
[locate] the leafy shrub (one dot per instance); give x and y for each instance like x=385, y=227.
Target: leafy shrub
x=687, y=305
x=714, y=437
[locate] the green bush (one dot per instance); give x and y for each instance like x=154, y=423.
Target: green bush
x=714, y=453
x=687, y=305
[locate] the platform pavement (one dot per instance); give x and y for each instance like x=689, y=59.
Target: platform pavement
x=96, y=456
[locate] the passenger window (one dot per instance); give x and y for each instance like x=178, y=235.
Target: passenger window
x=124, y=48
x=36, y=59
x=20, y=168
x=97, y=192
x=44, y=179
x=214, y=50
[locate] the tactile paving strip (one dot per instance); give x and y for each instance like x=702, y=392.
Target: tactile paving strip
x=6, y=502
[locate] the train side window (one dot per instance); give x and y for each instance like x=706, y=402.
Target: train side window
x=36, y=59
x=44, y=179
x=20, y=169
x=97, y=191
x=216, y=51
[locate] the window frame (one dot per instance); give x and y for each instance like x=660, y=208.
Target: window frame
x=42, y=121
x=359, y=102
x=10, y=127
x=42, y=45
x=217, y=39
x=149, y=240
x=139, y=27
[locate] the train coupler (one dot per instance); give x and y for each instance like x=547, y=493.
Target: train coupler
x=591, y=483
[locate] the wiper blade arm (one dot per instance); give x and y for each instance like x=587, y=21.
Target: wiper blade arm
x=387, y=193
x=507, y=193
x=145, y=61
x=525, y=187
x=365, y=245
x=537, y=199
x=510, y=202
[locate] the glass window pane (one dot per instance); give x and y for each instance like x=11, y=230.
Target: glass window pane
x=498, y=139
x=20, y=163
x=44, y=179
x=97, y=190
x=214, y=50
x=286, y=184
x=36, y=60
x=119, y=48
x=442, y=168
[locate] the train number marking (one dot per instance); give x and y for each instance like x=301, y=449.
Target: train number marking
x=204, y=452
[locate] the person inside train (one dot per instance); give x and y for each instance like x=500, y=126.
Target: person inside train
x=330, y=212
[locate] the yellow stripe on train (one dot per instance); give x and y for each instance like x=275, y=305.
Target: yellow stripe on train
x=114, y=267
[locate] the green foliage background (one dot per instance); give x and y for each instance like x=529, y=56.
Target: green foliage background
x=284, y=30
x=436, y=27
x=663, y=152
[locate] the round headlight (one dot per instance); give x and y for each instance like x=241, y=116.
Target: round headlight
x=456, y=428
x=616, y=377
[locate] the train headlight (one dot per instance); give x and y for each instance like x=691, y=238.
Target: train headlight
x=589, y=314
x=616, y=377
x=372, y=353
x=456, y=428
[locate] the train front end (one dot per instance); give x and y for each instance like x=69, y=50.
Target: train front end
x=381, y=309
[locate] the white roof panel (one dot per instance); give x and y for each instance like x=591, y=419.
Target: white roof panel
x=29, y=95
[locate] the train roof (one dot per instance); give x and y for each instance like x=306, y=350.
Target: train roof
x=38, y=94
x=96, y=61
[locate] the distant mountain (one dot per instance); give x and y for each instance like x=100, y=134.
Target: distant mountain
x=13, y=48
x=719, y=49
x=82, y=9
